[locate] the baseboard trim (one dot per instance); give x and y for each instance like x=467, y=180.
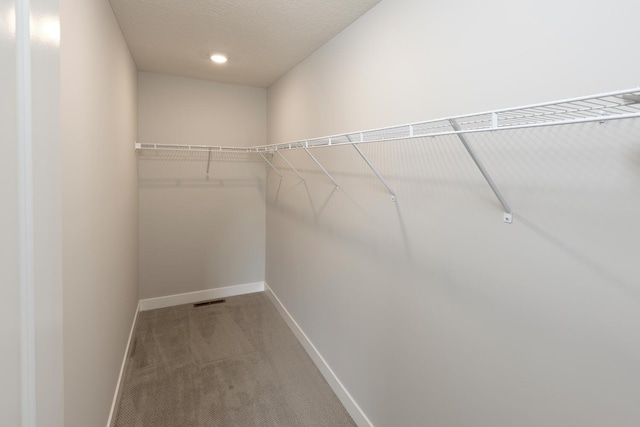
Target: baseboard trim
x=338, y=388
x=118, y=393
x=191, y=297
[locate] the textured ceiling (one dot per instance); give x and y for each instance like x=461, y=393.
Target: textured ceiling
x=262, y=38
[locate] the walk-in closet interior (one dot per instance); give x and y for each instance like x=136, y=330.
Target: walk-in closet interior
x=397, y=212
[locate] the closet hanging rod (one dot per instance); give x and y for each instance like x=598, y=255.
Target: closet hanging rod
x=624, y=104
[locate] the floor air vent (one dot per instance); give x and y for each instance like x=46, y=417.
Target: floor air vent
x=211, y=302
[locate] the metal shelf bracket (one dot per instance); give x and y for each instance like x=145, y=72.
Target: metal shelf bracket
x=321, y=167
x=508, y=216
x=208, y=163
x=393, y=193
x=270, y=164
x=291, y=166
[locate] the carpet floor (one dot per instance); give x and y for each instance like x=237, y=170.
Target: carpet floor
x=230, y=364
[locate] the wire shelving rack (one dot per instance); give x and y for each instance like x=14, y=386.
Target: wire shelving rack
x=624, y=104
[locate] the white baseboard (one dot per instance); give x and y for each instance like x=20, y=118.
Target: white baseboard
x=347, y=400
x=118, y=392
x=191, y=297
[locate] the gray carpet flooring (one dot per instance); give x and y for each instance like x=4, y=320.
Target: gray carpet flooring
x=230, y=364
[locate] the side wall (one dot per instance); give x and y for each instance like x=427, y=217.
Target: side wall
x=431, y=310
x=407, y=61
x=200, y=232
x=100, y=205
x=10, y=301
x=30, y=215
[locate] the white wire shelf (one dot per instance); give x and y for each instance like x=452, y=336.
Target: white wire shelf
x=618, y=105
x=623, y=104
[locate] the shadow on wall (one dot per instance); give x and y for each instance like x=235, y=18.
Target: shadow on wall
x=200, y=169
x=574, y=191
x=608, y=276
x=206, y=182
x=435, y=299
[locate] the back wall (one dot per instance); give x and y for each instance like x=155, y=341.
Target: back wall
x=200, y=231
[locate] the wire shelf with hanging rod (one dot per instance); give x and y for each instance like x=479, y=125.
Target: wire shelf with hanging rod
x=595, y=108
x=624, y=104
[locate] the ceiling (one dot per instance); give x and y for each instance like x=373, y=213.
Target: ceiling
x=263, y=39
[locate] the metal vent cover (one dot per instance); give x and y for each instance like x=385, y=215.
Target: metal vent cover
x=210, y=302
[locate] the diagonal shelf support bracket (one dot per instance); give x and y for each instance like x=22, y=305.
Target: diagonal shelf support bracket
x=322, y=167
x=508, y=215
x=393, y=193
x=270, y=164
x=291, y=166
x=208, y=163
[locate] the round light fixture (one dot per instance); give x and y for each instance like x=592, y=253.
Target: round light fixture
x=219, y=58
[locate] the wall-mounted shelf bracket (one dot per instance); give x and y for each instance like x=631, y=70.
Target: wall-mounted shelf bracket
x=508, y=216
x=382, y=180
x=291, y=166
x=208, y=162
x=321, y=167
x=270, y=164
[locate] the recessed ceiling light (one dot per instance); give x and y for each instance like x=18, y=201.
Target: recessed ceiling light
x=218, y=58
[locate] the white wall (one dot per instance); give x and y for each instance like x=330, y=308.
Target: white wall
x=199, y=232
x=9, y=225
x=98, y=111
x=30, y=273
x=431, y=310
x=407, y=61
